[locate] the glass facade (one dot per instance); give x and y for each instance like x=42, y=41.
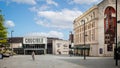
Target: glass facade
x=36, y=44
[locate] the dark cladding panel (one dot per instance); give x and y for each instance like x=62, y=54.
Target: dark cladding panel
x=15, y=40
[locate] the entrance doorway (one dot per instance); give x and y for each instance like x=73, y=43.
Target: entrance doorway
x=37, y=52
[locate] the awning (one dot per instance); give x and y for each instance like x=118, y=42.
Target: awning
x=81, y=46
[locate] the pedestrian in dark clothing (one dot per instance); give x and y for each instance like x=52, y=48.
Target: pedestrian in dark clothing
x=70, y=52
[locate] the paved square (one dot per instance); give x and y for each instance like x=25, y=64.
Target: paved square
x=53, y=61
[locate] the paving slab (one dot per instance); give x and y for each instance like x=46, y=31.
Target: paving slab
x=56, y=61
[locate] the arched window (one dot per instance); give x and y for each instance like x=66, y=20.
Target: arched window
x=93, y=14
x=109, y=27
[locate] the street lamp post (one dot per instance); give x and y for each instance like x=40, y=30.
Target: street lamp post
x=0, y=39
x=11, y=41
x=84, y=38
x=116, y=54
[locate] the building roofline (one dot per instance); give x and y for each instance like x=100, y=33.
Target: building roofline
x=100, y=2
x=86, y=12
x=33, y=36
x=15, y=37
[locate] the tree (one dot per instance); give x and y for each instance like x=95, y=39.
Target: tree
x=3, y=31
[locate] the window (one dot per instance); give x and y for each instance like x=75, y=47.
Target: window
x=94, y=14
x=87, y=19
x=85, y=36
x=109, y=47
x=92, y=37
x=85, y=27
x=93, y=34
x=89, y=25
x=65, y=45
x=80, y=29
x=80, y=37
x=58, y=45
x=93, y=24
x=91, y=17
x=101, y=51
x=89, y=37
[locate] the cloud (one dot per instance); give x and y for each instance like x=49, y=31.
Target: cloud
x=58, y=19
x=40, y=8
x=51, y=2
x=55, y=34
x=85, y=1
x=31, y=2
x=44, y=7
x=9, y=23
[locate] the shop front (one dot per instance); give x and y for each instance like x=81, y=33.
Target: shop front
x=79, y=50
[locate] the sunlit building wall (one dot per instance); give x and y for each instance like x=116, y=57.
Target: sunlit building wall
x=100, y=26
x=60, y=47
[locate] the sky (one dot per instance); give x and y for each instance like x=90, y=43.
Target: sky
x=51, y=18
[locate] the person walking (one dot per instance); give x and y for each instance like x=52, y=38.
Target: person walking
x=70, y=52
x=33, y=55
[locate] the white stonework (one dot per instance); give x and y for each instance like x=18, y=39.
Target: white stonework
x=101, y=7
x=60, y=47
x=99, y=42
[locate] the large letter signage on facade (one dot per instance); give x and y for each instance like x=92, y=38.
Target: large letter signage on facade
x=35, y=40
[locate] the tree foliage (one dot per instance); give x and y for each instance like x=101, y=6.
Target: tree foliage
x=3, y=30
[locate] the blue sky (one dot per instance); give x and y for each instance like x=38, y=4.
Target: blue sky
x=53, y=18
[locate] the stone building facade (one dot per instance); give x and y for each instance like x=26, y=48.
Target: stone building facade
x=100, y=26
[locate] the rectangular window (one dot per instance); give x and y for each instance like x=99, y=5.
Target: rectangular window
x=85, y=36
x=109, y=47
x=80, y=37
x=93, y=24
x=89, y=35
x=94, y=14
x=85, y=27
x=93, y=34
x=58, y=45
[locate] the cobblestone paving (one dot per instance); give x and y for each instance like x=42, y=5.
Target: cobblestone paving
x=53, y=61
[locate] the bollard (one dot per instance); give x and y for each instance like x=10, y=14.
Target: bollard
x=1, y=56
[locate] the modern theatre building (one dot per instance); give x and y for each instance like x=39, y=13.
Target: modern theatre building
x=39, y=44
x=36, y=44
